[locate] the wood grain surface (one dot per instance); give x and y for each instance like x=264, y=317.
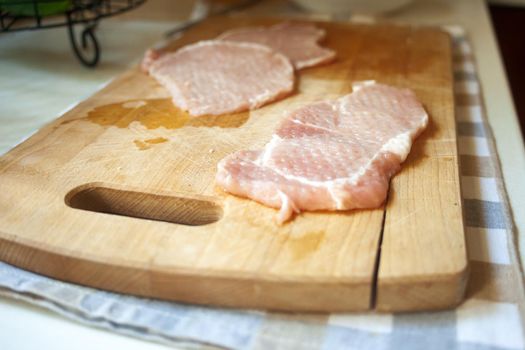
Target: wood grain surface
x=119, y=194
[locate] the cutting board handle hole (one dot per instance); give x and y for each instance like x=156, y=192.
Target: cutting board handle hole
x=160, y=207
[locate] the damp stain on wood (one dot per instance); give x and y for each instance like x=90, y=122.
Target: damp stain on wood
x=157, y=113
x=305, y=245
x=148, y=143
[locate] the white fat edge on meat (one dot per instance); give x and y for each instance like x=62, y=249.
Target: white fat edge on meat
x=327, y=56
x=267, y=95
x=334, y=107
x=358, y=85
x=221, y=170
x=287, y=209
x=255, y=101
x=399, y=145
x=263, y=159
x=402, y=143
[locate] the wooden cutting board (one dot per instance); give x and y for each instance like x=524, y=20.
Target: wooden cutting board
x=119, y=194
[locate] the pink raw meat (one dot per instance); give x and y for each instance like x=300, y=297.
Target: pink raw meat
x=330, y=155
x=298, y=42
x=150, y=56
x=217, y=77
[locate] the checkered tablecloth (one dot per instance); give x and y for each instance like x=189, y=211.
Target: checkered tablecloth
x=490, y=317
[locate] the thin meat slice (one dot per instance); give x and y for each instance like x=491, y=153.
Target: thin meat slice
x=330, y=155
x=150, y=56
x=217, y=77
x=298, y=42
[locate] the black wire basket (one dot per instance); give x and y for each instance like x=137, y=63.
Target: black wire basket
x=17, y=15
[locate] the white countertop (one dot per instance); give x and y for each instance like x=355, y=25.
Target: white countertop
x=27, y=61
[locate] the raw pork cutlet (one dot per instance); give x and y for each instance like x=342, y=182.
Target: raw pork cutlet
x=298, y=42
x=217, y=77
x=330, y=155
